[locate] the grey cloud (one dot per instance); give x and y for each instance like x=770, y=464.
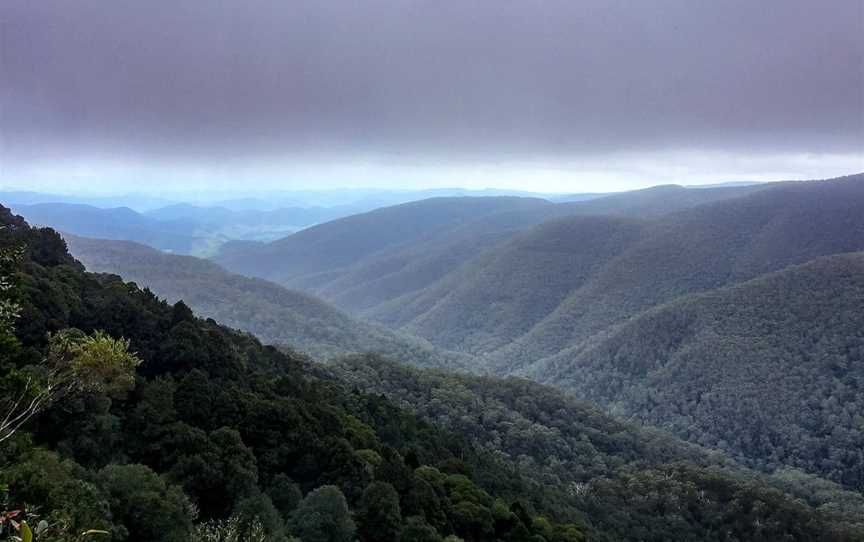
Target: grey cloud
x=201, y=78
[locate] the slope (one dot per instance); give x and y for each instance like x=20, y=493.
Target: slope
x=370, y=279
x=572, y=443
x=342, y=242
x=702, y=248
x=555, y=285
x=114, y=223
x=239, y=429
x=770, y=370
x=273, y=313
x=217, y=425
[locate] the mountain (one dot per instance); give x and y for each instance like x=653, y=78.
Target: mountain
x=217, y=426
x=138, y=202
x=369, y=274
x=253, y=224
x=659, y=200
x=553, y=286
x=113, y=223
x=273, y=313
x=536, y=299
x=563, y=439
x=768, y=370
x=342, y=242
x=705, y=247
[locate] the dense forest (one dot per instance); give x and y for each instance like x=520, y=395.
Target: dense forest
x=341, y=242
x=650, y=310
x=567, y=442
x=769, y=370
x=367, y=260
x=215, y=432
x=274, y=314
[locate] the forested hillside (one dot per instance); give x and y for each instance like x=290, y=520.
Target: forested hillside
x=342, y=242
x=272, y=313
x=215, y=425
x=770, y=370
x=569, y=442
x=565, y=280
x=381, y=256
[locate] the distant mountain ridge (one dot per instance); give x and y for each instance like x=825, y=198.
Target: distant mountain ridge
x=371, y=271
x=113, y=223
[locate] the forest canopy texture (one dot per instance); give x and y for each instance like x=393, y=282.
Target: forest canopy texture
x=216, y=431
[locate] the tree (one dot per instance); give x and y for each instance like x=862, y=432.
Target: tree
x=75, y=363
x=10, y=309
x=323, y=516
x=379, y=518
x=284, y=493
x=148, y=508
x=417, y=530
x=258, y=513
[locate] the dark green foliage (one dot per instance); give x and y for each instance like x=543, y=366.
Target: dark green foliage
x=379, y=517
x=323, y=516
x=569, y=444
x=148, y=508
x=258, y=508
x=218, y=422
x=417, y=530
x=769, y=370
x=284, y=494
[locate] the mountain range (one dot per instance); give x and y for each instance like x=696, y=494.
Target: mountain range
x=728, y=316
x=271, y=312
x=218, y=428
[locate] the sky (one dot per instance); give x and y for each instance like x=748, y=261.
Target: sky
x=538, y=95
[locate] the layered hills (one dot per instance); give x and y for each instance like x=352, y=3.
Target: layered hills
x=216, y=425
x=274, y=314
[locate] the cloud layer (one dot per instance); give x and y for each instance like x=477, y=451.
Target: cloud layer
x=196, y=81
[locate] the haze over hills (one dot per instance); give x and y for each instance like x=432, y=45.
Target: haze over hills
x=202, y=228
x=679, y=308
x=113, y=223
x=210, y=409
x=218, y=421
x=532, y=297
x=342, y=242
x=698, y=249
x=431, y=271
x=378, y=270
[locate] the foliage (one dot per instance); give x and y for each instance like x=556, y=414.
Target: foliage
x=215, y=417
x=273, y=313
x=74, y=363
x=768, y=370
x=323, y=516
x=216, y=425
x=569, y=444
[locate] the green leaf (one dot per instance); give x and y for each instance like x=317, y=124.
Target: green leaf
x=26, y=533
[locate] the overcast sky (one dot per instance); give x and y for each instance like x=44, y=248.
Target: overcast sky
x=587, y=95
